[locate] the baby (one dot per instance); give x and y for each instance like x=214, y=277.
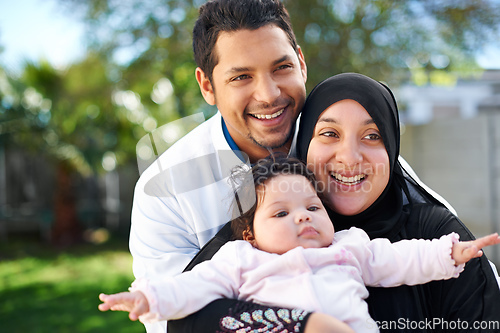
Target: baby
x=288, y=255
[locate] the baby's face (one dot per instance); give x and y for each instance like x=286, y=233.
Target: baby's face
x=289, y=215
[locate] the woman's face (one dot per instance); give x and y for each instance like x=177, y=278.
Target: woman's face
x=348, y=157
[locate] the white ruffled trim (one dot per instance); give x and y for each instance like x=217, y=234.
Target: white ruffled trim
x=453, y=239
x=142, y=285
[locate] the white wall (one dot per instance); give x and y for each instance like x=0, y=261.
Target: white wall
x=460, y=159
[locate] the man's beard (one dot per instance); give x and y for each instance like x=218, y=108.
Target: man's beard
x=274, y=146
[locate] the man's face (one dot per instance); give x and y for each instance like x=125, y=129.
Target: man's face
x=258, y=86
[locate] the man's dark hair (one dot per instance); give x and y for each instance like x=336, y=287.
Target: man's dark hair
x=218, y=16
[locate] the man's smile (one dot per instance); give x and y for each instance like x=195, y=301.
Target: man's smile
x=268, y=116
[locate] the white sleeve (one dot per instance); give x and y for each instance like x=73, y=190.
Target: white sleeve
x=179, y=296
x=410, y=262
x=161, y=242
x=180, y=202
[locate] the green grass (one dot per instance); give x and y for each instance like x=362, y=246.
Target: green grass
x=43, y=289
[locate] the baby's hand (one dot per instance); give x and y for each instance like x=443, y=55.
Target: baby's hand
x=134, y=302
x=462, y=252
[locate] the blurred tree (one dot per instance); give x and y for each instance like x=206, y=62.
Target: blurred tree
x=149, y=42
x=74, y=118
x=139, y=71
x=89, y=117
x=384, y=39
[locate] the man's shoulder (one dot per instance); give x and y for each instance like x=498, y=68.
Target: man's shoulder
x=202, y=138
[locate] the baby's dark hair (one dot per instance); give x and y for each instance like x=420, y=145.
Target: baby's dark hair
x=249, y=182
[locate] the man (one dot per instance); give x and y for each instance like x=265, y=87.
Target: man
x=251, y=68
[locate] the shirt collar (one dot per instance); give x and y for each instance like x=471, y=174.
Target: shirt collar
x=234, y=147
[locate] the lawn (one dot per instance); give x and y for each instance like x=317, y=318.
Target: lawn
x=43, y=289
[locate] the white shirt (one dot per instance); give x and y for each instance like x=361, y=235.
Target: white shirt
x=180, y=202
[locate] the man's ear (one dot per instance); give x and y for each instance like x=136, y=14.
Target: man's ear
x=249, y=237
x=302, y=61
x=205, y=86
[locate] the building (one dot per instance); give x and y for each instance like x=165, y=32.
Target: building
x=467, y=99
x=451, y=137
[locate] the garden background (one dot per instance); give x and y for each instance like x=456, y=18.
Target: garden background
x=69, y=134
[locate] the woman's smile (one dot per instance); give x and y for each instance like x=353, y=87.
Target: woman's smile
x=348, y=180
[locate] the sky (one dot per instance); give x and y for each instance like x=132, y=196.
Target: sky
x=490, y=57
x=35, y=29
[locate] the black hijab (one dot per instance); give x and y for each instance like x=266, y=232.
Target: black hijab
x=386, y=216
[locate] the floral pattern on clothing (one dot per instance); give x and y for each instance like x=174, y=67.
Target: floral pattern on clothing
x=275, y=320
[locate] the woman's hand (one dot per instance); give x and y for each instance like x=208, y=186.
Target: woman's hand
x=462, y=252
x=134, y=302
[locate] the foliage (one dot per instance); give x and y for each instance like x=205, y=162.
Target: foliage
x=139, y=72
x=385, y=39
x=151, y=40
x=381, y=38
x=45, y=290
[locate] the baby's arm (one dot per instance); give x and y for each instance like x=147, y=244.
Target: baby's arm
x=181, y=295
x=462, y=252
x=411, y=262
x=134, y=302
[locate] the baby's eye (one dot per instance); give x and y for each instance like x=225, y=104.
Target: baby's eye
x=281, y=214
x=313, y=208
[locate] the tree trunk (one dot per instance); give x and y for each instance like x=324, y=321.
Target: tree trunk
x=66, y=230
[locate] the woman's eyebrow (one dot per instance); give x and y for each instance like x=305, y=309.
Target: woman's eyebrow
x=334, y=121
x=327, y=120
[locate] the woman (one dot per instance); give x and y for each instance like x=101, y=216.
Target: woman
x=349, y=135
x=395, y=207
